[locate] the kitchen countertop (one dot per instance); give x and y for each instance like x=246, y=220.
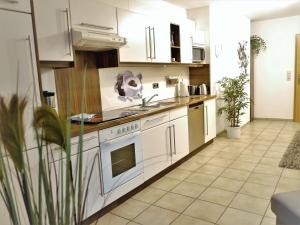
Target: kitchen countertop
x=178, y=102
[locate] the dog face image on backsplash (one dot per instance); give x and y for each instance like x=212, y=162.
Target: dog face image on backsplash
x=129, y=86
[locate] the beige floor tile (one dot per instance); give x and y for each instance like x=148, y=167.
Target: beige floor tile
x=190, y=165
x=249, y=159
x=165, y=183
x=258, y=190
x=227, y=184
x=227, y=155
x=272, y=170
x=258, y=147
x=210, y=170
x=238, y=217
x=220, y=162
x=271, y=154
x=130, y=223
x=178, y=174
x=243, y=166
x=270, y=161
x=200, y=159
x=291, y=173
x=174, y=202
x=202, y=179
x=187, y=220
x=189, y=189
x=205, y=210
x=149, y=195
x=270, y=213
x=110, y=219
x=218, y=196
x=252, y=152
x=156, y=216
x=250, y=204
x=262, y=142
x=265, y=179
x=209, y=152
x=276, y=148
x=287, y=184
x=130, y=209
x=236, y=174
x=268, y=221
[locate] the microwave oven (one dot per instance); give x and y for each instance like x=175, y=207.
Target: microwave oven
x=198, y=54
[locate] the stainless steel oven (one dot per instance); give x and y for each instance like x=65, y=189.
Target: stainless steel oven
x=121, y=154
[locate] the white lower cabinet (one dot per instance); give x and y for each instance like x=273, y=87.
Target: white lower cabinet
x=180, y=138
x=164, y=142
x=210, y=119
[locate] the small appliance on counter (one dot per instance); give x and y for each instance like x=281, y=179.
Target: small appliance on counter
x=197, y=89
x=182, y=89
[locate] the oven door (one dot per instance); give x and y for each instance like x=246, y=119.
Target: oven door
x=122, y=160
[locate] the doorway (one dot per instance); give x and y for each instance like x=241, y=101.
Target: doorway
x=297, y=81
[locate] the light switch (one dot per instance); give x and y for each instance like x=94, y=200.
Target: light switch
x=288, y=75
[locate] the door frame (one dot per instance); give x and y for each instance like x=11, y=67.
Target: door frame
x=296, y=78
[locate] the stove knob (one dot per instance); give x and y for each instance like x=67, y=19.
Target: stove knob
x=123, y=130
x=132, y=127
x=136, y=126
x=128, y=128
x=119, y=131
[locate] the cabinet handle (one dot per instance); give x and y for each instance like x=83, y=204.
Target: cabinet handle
x=148, y=41
x=206, y=119
x=32, y=68
x=12, y=1
x=156, y=119
x=154, y=46
x=100, y=174
x=170, y=139
x=96, y=26
x=66, y=11
x=174, y=139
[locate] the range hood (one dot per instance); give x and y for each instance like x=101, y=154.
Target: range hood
x=96, y=40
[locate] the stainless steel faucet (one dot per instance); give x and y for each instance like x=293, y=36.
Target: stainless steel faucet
x=145, y=102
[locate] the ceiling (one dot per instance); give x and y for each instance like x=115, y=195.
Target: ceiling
x=254, y=9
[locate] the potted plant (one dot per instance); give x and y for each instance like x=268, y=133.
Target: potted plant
x=257, y=44
x=235, y=98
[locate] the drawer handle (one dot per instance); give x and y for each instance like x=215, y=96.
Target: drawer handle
x=155, y=119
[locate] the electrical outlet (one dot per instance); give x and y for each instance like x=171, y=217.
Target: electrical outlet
x=288, y=75
x=155, y=85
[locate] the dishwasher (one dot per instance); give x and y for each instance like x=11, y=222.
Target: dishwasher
x=196, y=125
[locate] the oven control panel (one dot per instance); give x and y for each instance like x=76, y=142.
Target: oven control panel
x=118, y=131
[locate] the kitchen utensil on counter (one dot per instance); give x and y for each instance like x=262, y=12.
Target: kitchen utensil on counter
x=204, y=89
x=192, y=89
x=182, y=89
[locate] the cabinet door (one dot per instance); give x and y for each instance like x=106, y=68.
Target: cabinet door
x=16, y=5
x=156, y=150
x=210, y=119
x=135, y=28
x=186, y=41
x=160, y=41
x=180, y=138
x=18, y=64
x=94, y=14
x=53, y=29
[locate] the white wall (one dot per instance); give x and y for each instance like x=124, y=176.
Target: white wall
x=274, y=94
x=227, y=29
x=109, y=97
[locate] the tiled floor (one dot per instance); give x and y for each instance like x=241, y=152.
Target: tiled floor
x=228, y=183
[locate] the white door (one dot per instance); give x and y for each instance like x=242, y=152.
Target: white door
x=180, y=138
x=94, y=14
x=210, y=119
x=18, y=64
x=186, y=40
x=53, y=29
x=135, y=28
x=16, y=5
x=156, y=150
x=160, y=41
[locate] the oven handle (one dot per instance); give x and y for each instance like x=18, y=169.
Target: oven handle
x=113, y=141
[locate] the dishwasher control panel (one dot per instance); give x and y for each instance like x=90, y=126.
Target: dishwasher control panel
x=118, y=131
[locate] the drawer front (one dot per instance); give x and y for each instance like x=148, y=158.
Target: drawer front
x=16, y=5
x=155, y=120
x=177, y=113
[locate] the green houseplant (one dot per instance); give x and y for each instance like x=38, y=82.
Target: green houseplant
x=43, y=192
x=257, y=44
x=234, y=96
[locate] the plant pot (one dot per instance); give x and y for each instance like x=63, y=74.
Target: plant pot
x=233, y=132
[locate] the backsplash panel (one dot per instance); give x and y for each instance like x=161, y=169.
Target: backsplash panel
x=108, y=76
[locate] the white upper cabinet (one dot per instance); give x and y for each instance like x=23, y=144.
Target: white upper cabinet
x=148, y=39
x=210, y=119
x=16, y=5
x=135, y=28
x=160, y=41
x=18, y=64
x=53, y=28
x=187, y=28
x=94, y=14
